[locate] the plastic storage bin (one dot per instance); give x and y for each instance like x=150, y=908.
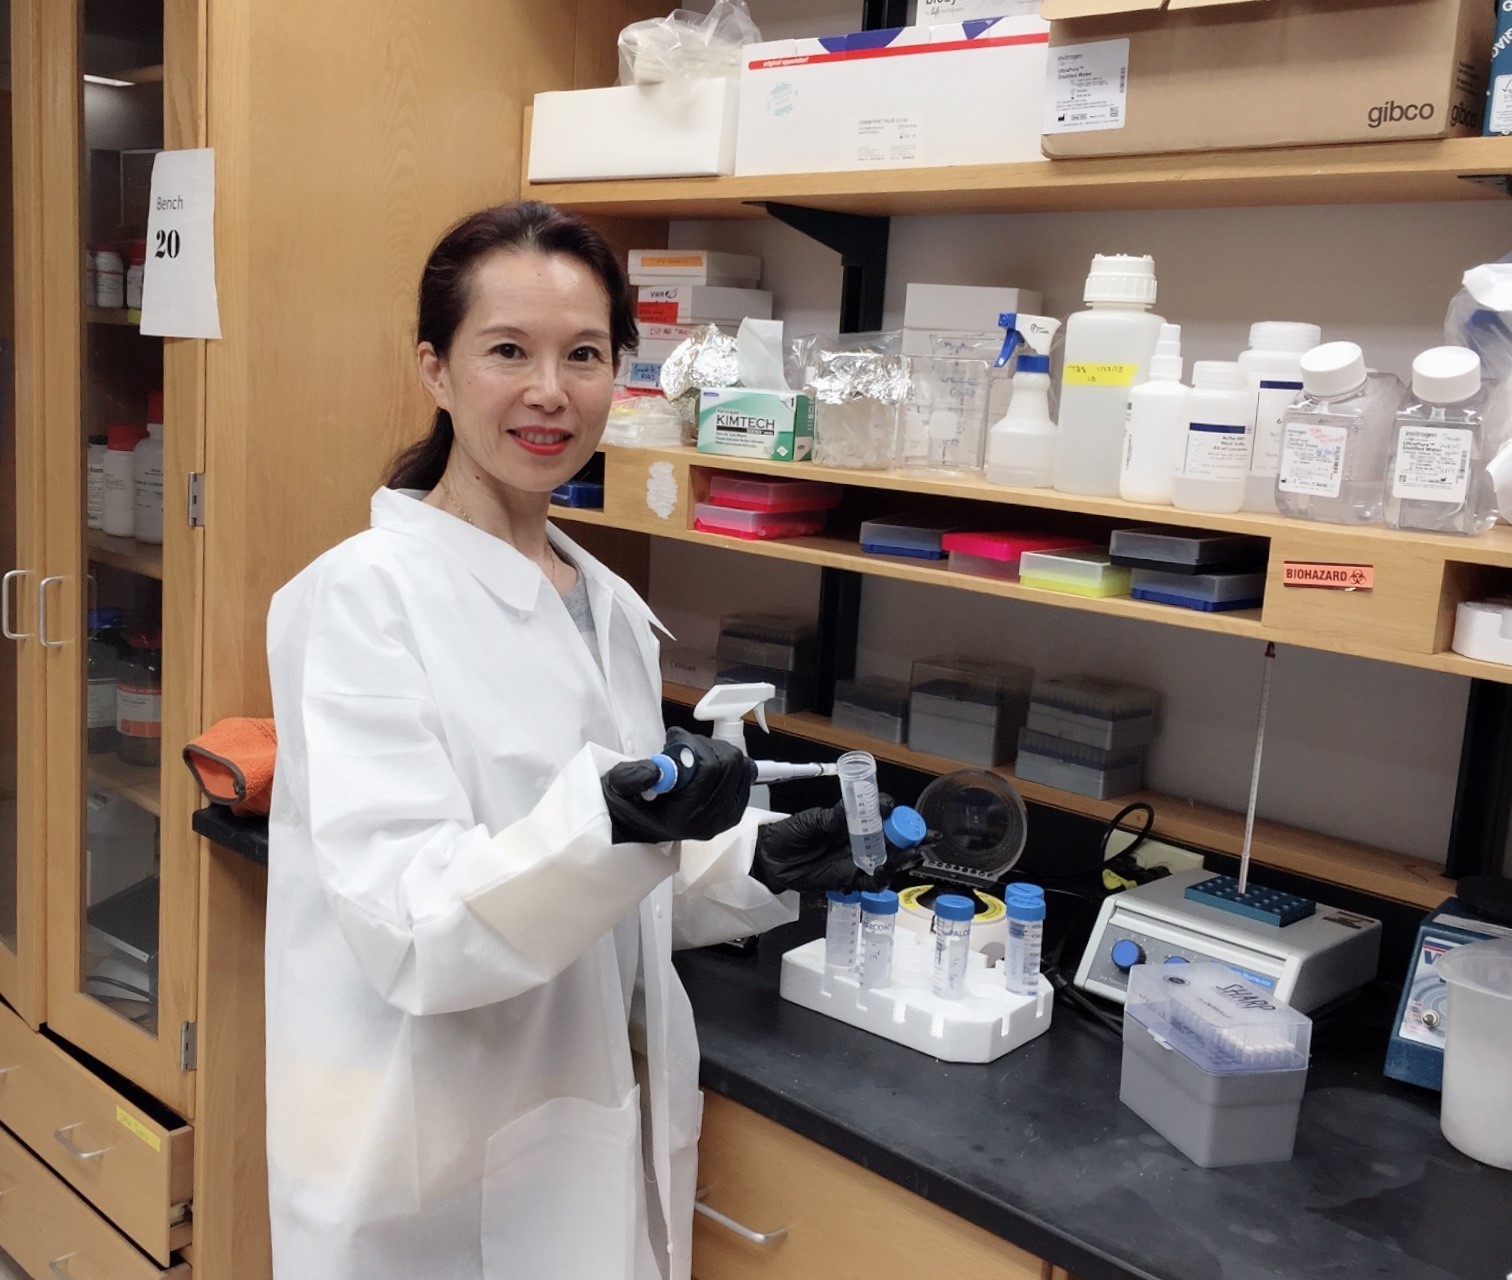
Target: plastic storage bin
x=1213, y=1063
x=1476, y=1113
x=996, y=555
x=1096, y=713
x=586, y=494
x=874, y=706
x=1081, y=573
x=900, y=536
x=795, y=689
x=755, y=525
x=1075, y=767
x=745, y=493
x=768, y=640
x=1187, y=550
x=967, y=710
x=1211, y=592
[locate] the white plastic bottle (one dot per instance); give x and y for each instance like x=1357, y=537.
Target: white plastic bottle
x=110, y=278
x=1274, y=360
x=135, y=272
x=147, y=499
x=94, y=488
x=1156, y=425
x=1108, y=351
x=1021, y=445
x=1436, y=476
x=119, y=515
x=1336, y=436
x=1215, y=451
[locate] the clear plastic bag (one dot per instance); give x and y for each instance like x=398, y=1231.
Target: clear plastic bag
x=687, y=45
x=1480, y=317
x=858, y=383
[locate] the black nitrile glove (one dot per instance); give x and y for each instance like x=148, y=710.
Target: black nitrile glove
x=811, y=851
x=711, y=799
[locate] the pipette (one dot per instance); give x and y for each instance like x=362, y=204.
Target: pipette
x=1254, y=795
x=673, y=770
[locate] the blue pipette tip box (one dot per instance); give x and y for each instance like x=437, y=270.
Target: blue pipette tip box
x=1269, y=906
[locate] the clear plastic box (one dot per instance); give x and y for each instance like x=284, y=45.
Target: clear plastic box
x=1076, y=767
x=1186, y=550
x=1094, y=712
x=1210, y=592
x=874, y=706
x=768, y=640
x=996, y=555
x=943, y=425
x=903, y=536
x=1081, y=573
x=747, y=493
x=795, y=689
x=753, y=525
x=968, y=710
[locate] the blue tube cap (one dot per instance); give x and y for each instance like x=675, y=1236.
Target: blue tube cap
x=884, y=902
x=905, y=827
x=845, y=897
x=952, y=906
x=1025, y=902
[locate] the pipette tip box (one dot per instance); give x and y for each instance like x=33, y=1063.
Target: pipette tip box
x=874, y=706
x=1076, y=572
x=1269, y=906
x=1210, y=592
x=1076, y=767
x=1186, y=551
x=768, y=640
x=709, y=517
x=900, y=536
x=981, y=1026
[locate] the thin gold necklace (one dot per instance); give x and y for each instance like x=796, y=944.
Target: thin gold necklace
x=549, y=568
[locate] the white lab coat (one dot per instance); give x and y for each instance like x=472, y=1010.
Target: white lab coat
x=452, y=939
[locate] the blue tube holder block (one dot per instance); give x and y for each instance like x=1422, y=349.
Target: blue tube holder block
x=1270, y=906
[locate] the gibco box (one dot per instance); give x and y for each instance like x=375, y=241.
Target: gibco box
x=740, y=423
x=1131, y=77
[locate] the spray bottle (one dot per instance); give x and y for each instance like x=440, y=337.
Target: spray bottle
x=725, y=707
x=1021, y=445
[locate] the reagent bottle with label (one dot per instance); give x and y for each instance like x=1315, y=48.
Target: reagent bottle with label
x=1436, y=476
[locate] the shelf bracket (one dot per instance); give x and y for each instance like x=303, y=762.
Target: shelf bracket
x=1483, y=798
x=882, y=15
x=1500, y=182
x=861, y=241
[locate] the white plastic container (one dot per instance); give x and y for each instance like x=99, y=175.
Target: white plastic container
x=136, y=272
x=118, y=517
x=1476, y=1114
x=94, y=489
x=1021, y=445
x=147, y=499
x=1156, y=428
x=110, y=278
x=1274, y=360
x=1436, y=475
x=1108, y=351
x=1215, y=456
x=1335, y=439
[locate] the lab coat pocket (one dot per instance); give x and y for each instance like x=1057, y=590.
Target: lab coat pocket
x=559, y=1192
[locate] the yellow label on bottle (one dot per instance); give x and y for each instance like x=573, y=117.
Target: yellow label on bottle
x=130, y=1122
x=1099, y=375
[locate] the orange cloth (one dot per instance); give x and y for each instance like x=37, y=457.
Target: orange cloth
x=233, y=763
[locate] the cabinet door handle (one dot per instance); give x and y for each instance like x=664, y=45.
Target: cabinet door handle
x=729, y=1224
x=42, y=613
x=5, y=605
x=58, y=1269
x=78, y=1153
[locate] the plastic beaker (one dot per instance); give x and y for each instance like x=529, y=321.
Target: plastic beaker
x=1476, y=1113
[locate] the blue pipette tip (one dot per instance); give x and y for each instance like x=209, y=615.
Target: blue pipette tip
x=905, y=827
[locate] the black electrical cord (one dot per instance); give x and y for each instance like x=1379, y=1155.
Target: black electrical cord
x=1062, y=985
x=1115, y=823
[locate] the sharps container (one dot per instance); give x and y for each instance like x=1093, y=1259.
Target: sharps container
x=1476, y=1114
x=1216, y=1065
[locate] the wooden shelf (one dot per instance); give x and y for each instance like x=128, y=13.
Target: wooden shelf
x=583, y=515
x=1320, y=857
x=1364, y=173
x=114, y=315
x=144, y=558
x=131, y=782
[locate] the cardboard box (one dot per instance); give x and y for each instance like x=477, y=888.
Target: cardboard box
x=963, y=308
x=1133, y=77
x=635, y=131
x=956, y=93
x=700, y=304
x=694, y=266
x=741, y=423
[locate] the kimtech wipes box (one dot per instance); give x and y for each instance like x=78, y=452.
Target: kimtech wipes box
x=1134, y=77
x=741, y=423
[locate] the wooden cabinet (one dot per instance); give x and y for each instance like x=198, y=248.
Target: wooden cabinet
x=836, y=1218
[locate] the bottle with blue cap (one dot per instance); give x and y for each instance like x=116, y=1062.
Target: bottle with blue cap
x=952, y=929
x=1021, y=445
x=879, y=914
x=1026, y=927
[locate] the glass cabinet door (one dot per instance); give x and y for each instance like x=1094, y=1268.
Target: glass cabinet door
x=121, y=888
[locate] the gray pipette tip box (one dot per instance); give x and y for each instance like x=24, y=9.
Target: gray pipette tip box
x=1214, y=1063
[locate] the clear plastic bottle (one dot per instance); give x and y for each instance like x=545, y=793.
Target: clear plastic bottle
x=1026, y=926
x=1155, y=428
x=879, y=913
x=1274, y=360
x=118, y=513
x=1437, y=477
x=863, y=809
x=1108, y=351
x=842, y=930
x=952, y=929
x=1215, y=451
x=1021, y=445
x=147, y=497
x=1336, y=436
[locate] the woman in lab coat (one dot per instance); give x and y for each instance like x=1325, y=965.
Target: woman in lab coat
x=480, y=1061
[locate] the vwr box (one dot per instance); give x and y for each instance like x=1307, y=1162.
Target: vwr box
x=741, y=423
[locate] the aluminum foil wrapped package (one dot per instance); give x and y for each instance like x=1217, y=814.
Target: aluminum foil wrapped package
x=858, y=396
x=707, y=359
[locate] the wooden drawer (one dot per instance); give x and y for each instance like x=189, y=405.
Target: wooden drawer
x=51, y=1232
x=841, y=1220
x=137, y=1172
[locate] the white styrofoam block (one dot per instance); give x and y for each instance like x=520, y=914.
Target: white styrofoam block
x=680, y=130
x=955, y=93
x=1483, y=629
x=981, y=1026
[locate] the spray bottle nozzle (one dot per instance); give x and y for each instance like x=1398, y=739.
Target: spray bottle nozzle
x=726, y=706
x=1033, y=332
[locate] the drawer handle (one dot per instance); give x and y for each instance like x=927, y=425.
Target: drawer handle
x=78, y=1153
x=744, y=1232
x=58, y=1269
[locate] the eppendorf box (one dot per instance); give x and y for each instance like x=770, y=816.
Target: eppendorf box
x=741, y=423
x=1133, y=77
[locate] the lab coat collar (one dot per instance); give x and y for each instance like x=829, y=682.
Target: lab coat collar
x=498, y=566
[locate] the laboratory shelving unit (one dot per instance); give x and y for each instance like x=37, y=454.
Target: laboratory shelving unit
x=1407, y=618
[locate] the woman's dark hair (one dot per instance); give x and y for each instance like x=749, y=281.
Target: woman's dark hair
x=446, y=289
